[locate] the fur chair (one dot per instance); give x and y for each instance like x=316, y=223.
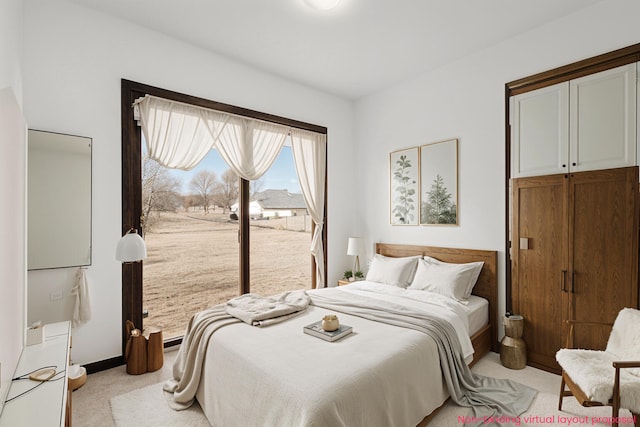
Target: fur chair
x=610, y=377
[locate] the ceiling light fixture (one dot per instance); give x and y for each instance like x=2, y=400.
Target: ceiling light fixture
x=322, y=4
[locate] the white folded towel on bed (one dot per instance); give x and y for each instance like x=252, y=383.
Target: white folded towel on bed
x=262, y=311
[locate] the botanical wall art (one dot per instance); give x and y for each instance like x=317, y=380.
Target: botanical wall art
x=404, y=173
x=439, y=183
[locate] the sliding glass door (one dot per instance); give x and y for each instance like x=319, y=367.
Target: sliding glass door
x=192, y=241
x=280, y=232
x=198, y=240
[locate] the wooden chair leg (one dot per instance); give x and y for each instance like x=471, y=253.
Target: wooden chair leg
x=615, y=412
x=615, y=407
x=561, y=392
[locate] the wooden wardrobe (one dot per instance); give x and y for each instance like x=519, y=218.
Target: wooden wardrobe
x=573, y=201
x=574, y=256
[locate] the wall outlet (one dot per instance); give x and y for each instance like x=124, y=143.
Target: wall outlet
x=55, y=296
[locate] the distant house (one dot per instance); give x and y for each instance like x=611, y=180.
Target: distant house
x=275, y=203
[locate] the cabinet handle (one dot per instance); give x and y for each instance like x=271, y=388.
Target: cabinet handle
x=574, y=164
x=573, y=282
x=564, y=166
x=564, y=275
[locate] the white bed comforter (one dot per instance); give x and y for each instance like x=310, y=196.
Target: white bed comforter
x=419, y=300
x=380, y=375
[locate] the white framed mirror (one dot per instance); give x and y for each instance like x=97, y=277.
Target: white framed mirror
x=59, y=200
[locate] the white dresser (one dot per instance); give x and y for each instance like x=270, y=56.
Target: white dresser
x=42, y=404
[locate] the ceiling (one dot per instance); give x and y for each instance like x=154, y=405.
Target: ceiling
x=358, y=48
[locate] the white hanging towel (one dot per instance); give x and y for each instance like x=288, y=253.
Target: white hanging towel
x=82, y=306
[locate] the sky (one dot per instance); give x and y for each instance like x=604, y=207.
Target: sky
x=281, y=175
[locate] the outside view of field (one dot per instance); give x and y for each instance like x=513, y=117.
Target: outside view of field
x=193, y=263
x=192, y=241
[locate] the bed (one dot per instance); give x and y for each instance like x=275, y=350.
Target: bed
x=486, y=287
x=380, y=375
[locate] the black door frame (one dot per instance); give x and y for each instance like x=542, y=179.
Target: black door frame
x=132, y=191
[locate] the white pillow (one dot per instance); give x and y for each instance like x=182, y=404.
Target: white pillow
x=451, y=280
x=392, y=271
x=473, y=278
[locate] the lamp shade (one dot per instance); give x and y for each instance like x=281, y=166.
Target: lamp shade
x=131, y=247
x=355, y=246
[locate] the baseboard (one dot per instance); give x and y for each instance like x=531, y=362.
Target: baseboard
x=114, y=362
x=104, y=364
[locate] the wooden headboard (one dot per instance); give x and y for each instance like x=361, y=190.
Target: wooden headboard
x=486, y=286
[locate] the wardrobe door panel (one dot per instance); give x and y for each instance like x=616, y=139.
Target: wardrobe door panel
x=603, y=241
x=603, y=120
x=539, y=263
x=540, y=131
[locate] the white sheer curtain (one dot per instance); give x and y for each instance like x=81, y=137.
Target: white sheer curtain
x=249, y=146
x=178, y=135
x=309, y=154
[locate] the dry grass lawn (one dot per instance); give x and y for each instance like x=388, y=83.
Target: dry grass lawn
x=193, y=264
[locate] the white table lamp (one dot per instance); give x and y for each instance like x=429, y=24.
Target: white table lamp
x=355, y=248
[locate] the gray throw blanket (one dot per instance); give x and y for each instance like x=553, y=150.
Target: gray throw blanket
x=187, y=368
x=493, y=401
x=249, y=308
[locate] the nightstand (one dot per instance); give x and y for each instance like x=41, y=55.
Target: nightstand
x=343, y=282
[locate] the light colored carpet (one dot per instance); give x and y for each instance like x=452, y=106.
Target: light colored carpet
x=147, y=406
x=544, y=409
x=91, y=402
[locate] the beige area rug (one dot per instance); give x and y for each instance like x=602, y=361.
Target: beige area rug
x=148, y=406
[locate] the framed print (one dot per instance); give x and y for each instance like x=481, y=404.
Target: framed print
x=404, y=173
x=439, y=183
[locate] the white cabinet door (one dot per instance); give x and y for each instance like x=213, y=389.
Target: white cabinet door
x=540, y=131
x=603, y=120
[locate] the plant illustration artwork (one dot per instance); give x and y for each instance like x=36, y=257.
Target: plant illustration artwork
x=439, y=183
x=403, y=210
x=438, y=208
x=404, y=187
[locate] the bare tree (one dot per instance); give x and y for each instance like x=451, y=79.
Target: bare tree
x=226, y=193
x=160, y=191
x=190, y=201
x=203, y=185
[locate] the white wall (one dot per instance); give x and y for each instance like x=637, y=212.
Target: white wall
x=12, y=235
x=74, y=60
x=12, y=195
x=465, y=100
x=11, y=44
